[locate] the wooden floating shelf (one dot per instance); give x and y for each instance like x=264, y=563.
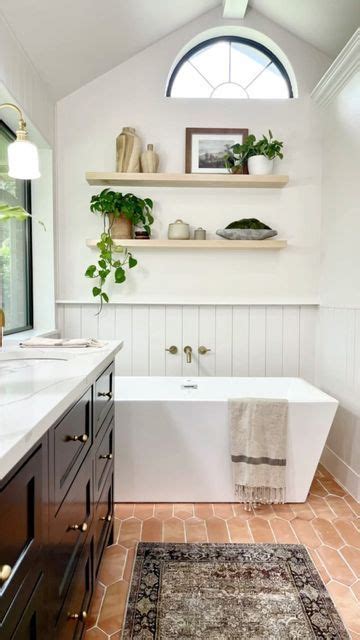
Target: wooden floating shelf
x=197, y=244
x=219, y=180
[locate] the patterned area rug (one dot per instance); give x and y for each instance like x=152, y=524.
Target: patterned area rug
x=228, y=592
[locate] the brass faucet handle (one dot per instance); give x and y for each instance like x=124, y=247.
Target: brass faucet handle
x=202, y=350
x=173, y=350
x=2, y=318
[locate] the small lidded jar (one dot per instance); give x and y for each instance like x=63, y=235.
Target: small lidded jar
x=200, y=234
x=179, y=230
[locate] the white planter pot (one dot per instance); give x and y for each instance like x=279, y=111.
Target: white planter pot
x=260, y=166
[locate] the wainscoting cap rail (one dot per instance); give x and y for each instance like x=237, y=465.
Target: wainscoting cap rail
x=310, y=302
x=339, y=73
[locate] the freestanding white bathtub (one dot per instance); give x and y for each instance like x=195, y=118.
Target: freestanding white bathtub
x=172, y=436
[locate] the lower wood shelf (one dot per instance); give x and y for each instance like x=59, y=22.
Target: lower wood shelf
x=198, y=244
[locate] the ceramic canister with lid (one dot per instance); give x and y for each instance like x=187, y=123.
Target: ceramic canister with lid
x=179, y=230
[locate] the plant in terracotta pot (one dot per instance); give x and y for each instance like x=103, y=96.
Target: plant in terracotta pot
x=114, y=259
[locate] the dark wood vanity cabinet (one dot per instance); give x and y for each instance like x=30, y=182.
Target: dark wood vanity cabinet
x=56, y=509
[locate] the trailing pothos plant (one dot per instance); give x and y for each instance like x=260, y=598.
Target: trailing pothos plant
x=237, y=155
x=112, y=257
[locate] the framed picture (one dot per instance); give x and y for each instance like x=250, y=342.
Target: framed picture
x=205, y=148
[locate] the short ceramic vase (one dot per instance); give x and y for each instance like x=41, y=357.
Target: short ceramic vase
x=149, y=160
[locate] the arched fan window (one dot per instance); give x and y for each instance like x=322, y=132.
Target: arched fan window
x=229, y=67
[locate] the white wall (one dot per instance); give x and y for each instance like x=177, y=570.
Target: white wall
x=339, y=334
x=21, y=84
x=133, y=94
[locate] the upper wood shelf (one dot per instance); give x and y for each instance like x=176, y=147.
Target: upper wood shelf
x=219, y=180
x=197, y=244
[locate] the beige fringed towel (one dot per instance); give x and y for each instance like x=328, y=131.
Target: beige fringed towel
x=258, y=449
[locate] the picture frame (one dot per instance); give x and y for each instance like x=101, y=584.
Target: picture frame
x=204, y=148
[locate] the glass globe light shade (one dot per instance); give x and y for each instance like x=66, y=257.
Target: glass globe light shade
x=23, y=159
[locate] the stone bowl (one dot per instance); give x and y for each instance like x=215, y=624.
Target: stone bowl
x=246, y=234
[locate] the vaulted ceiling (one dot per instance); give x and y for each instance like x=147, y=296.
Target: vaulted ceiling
x=74, y=41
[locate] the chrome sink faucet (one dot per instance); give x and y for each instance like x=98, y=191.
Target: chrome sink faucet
x=188, y=352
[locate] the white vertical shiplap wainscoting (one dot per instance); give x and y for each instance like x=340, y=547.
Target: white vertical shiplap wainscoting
x=245, y=340
x=338, y=373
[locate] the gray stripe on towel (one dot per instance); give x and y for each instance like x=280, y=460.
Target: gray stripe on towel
x=272, y=461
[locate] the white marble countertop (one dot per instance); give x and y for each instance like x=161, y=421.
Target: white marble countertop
x=35, y=391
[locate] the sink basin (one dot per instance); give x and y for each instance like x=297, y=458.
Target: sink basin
x=14, y=361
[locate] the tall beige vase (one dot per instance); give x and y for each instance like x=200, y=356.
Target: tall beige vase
x=128, y=150
x=149, y=160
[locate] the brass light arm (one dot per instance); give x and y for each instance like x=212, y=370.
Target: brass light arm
x=22, y=124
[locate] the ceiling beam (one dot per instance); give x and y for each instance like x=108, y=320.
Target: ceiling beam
x=235, y=9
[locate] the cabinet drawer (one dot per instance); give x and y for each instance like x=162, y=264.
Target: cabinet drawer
x=68, y=533
x=31, y=625
x=21, y=525
x=103, y=519
x=72, y=618
x=103, y=398
x=104, y=455
x=72, y=438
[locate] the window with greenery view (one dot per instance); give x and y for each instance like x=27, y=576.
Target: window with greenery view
x=229, y=67
x=15, y=246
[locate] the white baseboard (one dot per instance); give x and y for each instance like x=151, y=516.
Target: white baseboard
x=345, y=476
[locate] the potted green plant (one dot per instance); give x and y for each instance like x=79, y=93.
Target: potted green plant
x=118, y=211
x=266, y=150
x=238, y=154
x=123, y=211
x=257, y=155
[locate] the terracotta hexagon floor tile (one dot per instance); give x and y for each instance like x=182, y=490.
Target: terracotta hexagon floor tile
x=203, y=510
x=183, y=511
x=283, y=511
x=357, y=523
x=332, y=486
x=352, y=557
x=302, y=510
x=340, y=507
x=349, y=533
x=152, y=530
x=99, y=592
x=123, y=510
x=317, y=489
x=348, y=606
x=260, y=530
x=174, y=530
x=239, y=530
x=143, y=510
x=113, y=607
x=283, y=532
x=95, y=634
x=117, y=525
x=327, y=533
x=335, y=565
x=163, y=511
x=130, y=532
x=305, y=533
x=265, y=511
x=195, y=529
x=321, y=472
x=217, y=530
x=240, y=511
x=129, y=564
x=356, y=589
x=319, y=565
x=321, y=508
x=222, y=510
x=112, y=564
x=355, y=506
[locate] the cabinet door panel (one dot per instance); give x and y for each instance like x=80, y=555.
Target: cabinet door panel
x=104, y=457
x=31, y=625
x=103, y=396
x=103, y=518
x=72, y=618
x=20, y=526
x=72, y=439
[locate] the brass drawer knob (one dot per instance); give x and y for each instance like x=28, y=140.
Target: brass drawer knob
x=106, y=456
x=78, y=616
x=106, y=518
x=103, y=394
x=83, y=438
x=173, y=350
x=202, y=350
x=5, y=572
x=79, y=527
